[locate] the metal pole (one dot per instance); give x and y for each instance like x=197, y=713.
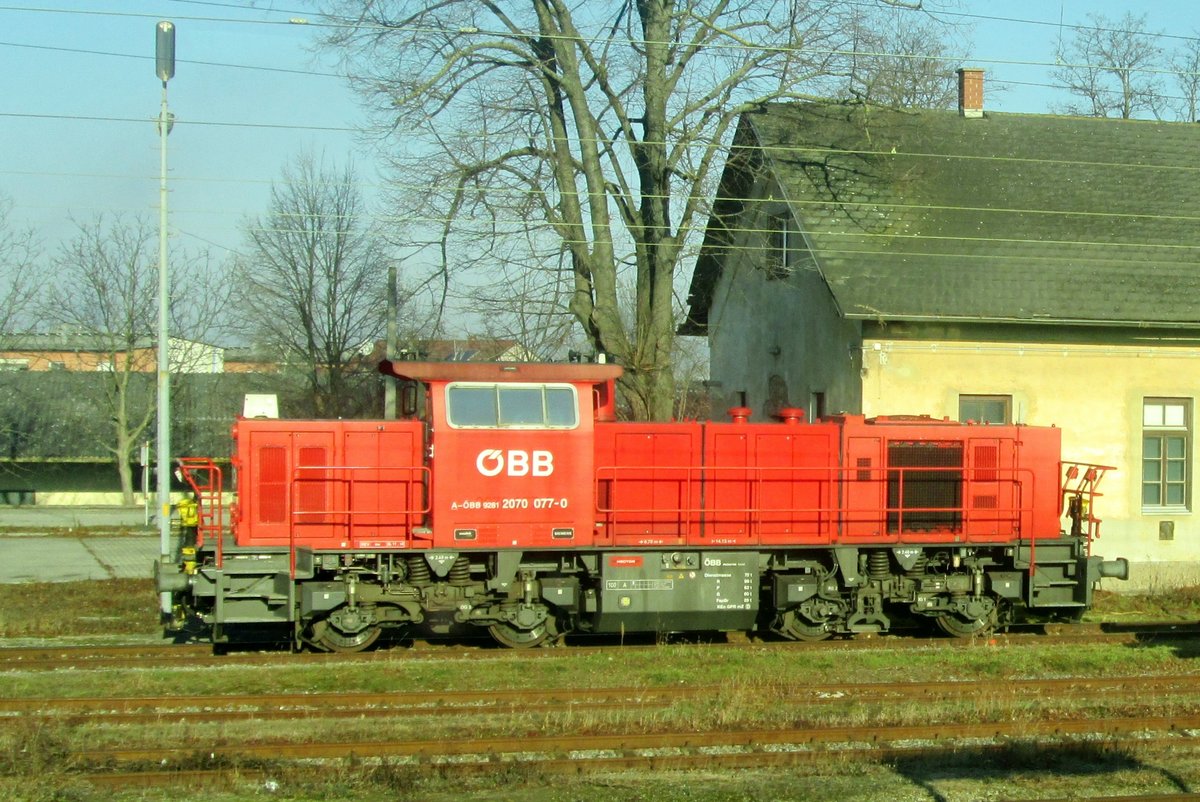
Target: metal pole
x=163, y=447
x=389, y=381
x=144, y=461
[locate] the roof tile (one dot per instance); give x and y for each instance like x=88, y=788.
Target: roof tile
x=926, y=214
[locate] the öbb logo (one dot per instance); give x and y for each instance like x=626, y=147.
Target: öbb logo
x=493, y=462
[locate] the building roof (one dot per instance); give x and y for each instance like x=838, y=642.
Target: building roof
x=926, y=215
x=469, y=349
x=81, y=342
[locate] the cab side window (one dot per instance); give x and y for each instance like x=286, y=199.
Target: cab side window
x=561, y=406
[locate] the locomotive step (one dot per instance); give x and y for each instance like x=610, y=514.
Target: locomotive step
x=269, y=565
x=272, y=598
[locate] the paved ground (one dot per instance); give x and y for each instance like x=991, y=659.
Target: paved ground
x=36, y=518
x=64, y=544
x=54, y=558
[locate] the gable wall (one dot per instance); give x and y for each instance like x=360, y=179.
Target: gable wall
x=1093, y=391
x=778, y=341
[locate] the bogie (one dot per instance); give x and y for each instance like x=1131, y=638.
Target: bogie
x=530, y=599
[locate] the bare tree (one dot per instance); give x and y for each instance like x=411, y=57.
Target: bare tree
x=1113, y=68
x=902, y=60
x=314, y=282
x=20, y=280
x=105, y=300
x=529, y=304
x=691, y=372
x=1185, y=63
x=595, y=129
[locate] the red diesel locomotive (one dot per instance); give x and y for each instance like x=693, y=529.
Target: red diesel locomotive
x=511, y=499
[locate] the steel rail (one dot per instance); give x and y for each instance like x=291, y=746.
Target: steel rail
x=285, y=705
x=559, y=745
x=87, y=657
x=204, y=778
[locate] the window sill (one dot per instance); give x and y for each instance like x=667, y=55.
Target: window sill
x=1166, y=511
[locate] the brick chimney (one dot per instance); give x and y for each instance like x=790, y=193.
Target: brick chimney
x=970, y=92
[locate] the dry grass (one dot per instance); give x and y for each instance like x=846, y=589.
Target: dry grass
x=760, y=689
x=68, y=609
x=1175, y=604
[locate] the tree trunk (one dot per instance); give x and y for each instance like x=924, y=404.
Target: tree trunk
x=656, y=269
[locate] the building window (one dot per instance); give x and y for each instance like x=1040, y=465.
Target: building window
x=985, y=408
x=1166, y=447
x=782, y=243
x=816, y=406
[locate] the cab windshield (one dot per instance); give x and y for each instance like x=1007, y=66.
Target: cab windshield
x=499, y=406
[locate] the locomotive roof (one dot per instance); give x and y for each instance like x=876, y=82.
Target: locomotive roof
x=501, y=371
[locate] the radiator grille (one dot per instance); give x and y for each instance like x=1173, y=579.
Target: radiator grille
x=312, y=483
x=925, y=486
x=272, y=485
x=985, y=503
x=987, y=460
x=864, y=469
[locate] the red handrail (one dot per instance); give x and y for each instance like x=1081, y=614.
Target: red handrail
x=1080, y=484
x=829, y=482
x=348, y=478
x=204, y=477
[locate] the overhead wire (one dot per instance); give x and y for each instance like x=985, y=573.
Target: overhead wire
x=774, y=150
x=350, y=129
x=194, y=62
x=330, y=22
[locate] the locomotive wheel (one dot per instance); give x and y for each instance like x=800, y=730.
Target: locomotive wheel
x=511, y=637
x=327, y=637
x=961, y=627
x=797, y=627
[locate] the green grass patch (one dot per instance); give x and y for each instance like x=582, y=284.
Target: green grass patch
x=1177, y=604
x=741, y=674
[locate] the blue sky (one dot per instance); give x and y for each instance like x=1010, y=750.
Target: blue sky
x=77, y=131
x=82, y=136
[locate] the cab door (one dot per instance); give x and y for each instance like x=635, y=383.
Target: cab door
x=512, y=465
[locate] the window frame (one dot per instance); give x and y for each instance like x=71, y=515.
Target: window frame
x=524, y=387
x=1164, y=431
x=982, y=398
x=781, y=246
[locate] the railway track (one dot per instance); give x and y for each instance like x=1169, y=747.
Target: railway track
x=149, y=656
x=665, y=744
x=582, y=754
x=283, y=706
x=514, y=730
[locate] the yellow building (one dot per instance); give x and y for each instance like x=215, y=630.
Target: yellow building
x=975, y=266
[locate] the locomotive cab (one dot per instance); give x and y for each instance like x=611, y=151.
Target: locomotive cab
x=509, y=450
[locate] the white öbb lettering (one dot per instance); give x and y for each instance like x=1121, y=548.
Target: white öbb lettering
x=493, y=462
